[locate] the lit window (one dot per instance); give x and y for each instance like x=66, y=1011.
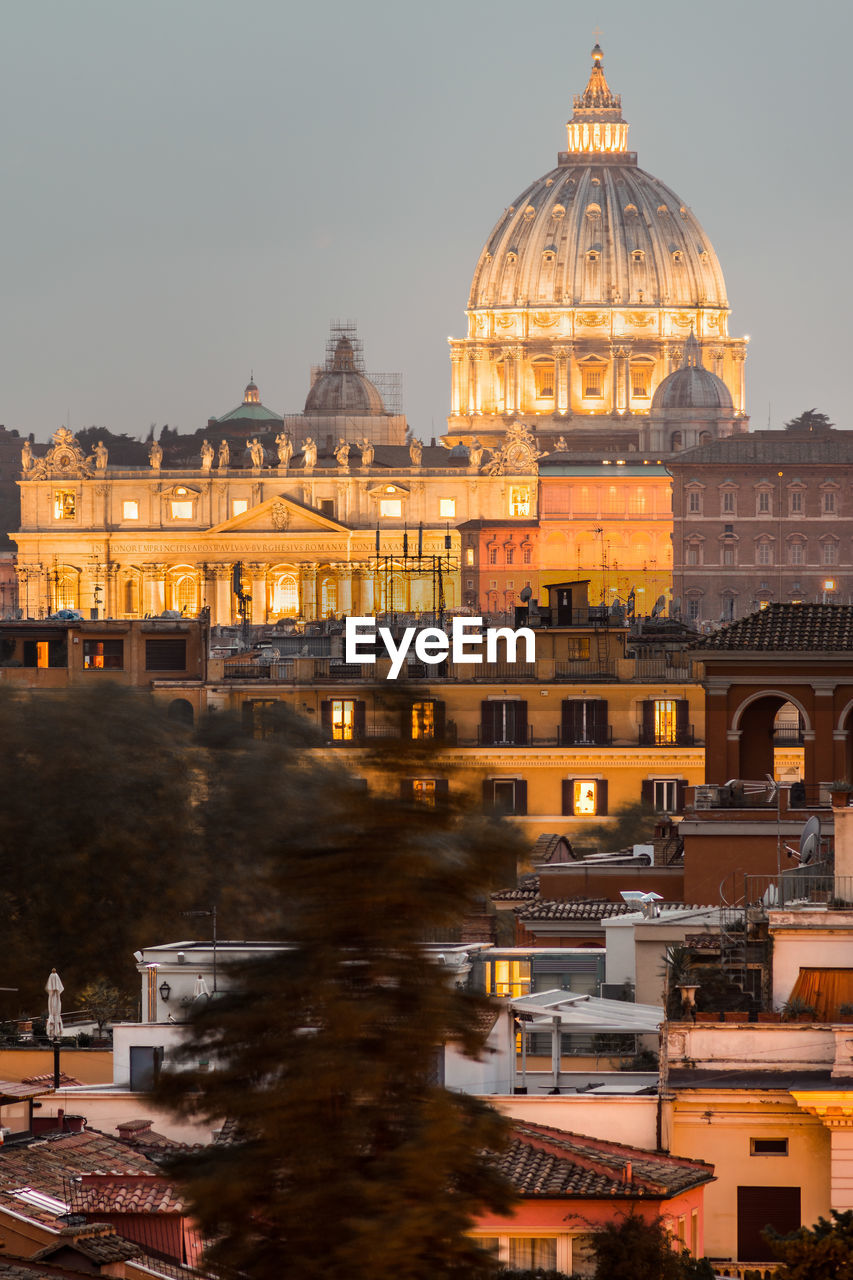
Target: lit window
x=391, y=508
x=182, y=510
x=508, y=978
x=795, y=553
x=729, y=500
x=593, y=379
x=130, y=510
x=829, y=503
x=694, y=502
x=764, y=502
x=797, y=502
x=469, y=555
x=239, y=505
x=423, y=720
x=585, y=796
x=830, y=553
x=99, y=655
x=185, y=593
x=533, y=1253
x=637, y=502
x=285, y=595
x=65, y=591
x=343, y=719
x=64, y=504
x=765, y=553
x=544, y=376
x=328, y=597
x=423, y=791
x=641, y=381
x=519, y=500
x=447, y=508
x=665, y=722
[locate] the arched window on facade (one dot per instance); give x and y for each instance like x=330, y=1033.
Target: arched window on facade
x=284, y=595
x=66, y=589
x=183, y=592
x=130, y=593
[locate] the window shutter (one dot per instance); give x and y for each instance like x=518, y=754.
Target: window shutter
x=568, y=797
x=648, y=722
x=520, y=724
x=326, y=718
x=601, y=798
x=442, y=791
x=439, y=711
x=599, y=721
x=406, y=719
x=682, y=721
x=407, y=789
x=487, y=723
x=680, y=794
x=488, y=795
x=567, y=723
x=647, y=792
x=358, y=721
x=521, y=796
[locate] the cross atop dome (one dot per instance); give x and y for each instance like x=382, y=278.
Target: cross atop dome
x=596, y=123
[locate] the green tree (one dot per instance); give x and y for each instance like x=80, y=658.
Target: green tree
x=325, y=1052
x=103, y=1003
x=821, y=1252
x=631, y=1248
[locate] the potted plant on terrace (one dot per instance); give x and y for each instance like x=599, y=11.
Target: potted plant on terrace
x=839, y=792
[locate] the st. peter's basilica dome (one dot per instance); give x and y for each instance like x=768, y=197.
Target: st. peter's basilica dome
x=585, y=293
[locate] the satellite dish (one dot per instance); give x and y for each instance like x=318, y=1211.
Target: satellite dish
x=632, y=895
x=770, y=897
x=676, y=607
x=659, y=606
x=525, y=594
x=630, y=602
x=810, y=840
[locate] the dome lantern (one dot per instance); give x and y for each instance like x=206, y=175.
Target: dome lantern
x=597, y=124
x=251, y=395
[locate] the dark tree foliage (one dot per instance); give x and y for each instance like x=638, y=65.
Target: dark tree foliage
x=821, y=1252
x=809, y=420
x=349, y=1161
x=634, y=824
x=124, y=450
x=115, y=821
x=630, y=1248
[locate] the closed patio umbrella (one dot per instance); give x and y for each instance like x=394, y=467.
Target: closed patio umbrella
x=54, y=989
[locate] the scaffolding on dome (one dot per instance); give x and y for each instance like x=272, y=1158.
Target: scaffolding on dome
x=389, y=385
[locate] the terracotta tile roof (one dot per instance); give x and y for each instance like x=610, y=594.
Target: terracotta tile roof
x=786, y=628
x=46, y=1166
x=545, y=1162
x=125, y=1193
x=526, y=890
x=573, y=909
x=95, y=1240
x=551, y=848
x=702, y=941
x=771, y=448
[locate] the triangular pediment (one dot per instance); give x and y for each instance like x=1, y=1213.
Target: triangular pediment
x=280, y=514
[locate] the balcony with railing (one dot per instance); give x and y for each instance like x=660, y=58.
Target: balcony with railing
x=680, y=737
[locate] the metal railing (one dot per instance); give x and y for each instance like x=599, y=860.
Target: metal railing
x=649, y=738
x=585, y=669
x=799, y=887
x=258, y=671
x=585, y=738
x=665, y=669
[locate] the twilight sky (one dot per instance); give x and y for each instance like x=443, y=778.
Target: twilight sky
x=195, y=188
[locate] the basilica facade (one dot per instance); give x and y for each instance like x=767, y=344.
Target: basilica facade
x=597, y=348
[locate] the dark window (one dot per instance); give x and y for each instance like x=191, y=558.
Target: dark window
x=761, y=1207
x=327, y=507
x=584, y=722
x=166, y=655
x=505, y=795
x=664, y=795
x=103, y=654
x=181, y=712
x=768, y=1146
x=503, y=723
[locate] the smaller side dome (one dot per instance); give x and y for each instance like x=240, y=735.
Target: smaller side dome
x=342, y=387
x=692, y=386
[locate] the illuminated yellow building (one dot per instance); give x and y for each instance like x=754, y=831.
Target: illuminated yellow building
x=584, y=296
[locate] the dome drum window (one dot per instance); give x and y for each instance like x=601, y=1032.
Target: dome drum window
x=543, y=375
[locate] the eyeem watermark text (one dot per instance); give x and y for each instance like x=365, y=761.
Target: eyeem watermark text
x=465, y=643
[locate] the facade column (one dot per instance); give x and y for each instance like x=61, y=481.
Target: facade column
x=822, y=752
x=308, y=591
x=153, y=588
x=455, y=381
x=621, y=375
x=673, y=358
x=258, y=577
x=740, y=372
x=717, y=354
x=517, y=357
x=344, y=576
x=509, y=380
x=561, y=356
x=222, y=613
x=471, y=376
x=477, y=369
